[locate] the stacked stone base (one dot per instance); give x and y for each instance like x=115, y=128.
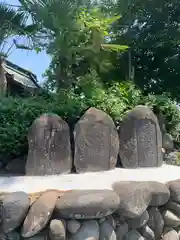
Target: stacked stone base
x=109, y=228
x=129, y=211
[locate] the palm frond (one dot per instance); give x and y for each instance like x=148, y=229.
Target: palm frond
x=13, y=23
x=114, y=47
x=10, y=19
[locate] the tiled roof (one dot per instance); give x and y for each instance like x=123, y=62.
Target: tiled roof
x=21, y=75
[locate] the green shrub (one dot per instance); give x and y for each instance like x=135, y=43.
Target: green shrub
x=17, y=114
x=170, y=111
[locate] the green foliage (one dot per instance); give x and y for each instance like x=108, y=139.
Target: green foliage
x=76, y=34
x=178, y=159
x=151, y=30
x=17, y=114
x=13, y=24
x=169, y=109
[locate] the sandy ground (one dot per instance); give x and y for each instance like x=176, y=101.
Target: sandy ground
x=95, y=180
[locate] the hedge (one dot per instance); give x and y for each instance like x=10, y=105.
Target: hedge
x=17, y=114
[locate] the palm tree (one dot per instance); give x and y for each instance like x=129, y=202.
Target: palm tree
x=12, y=23
x=69, y=35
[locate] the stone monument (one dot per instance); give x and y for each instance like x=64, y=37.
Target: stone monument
x=140, y=139
x=49, y=146
x=96, y=142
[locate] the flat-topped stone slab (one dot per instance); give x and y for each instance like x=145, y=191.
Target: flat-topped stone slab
x=85, y=181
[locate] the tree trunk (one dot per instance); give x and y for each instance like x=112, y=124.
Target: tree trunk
x=3, y=81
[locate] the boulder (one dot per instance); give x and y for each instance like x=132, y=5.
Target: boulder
x=96, y=142
x=39, y=214
x=57, y=230
x=160, y=194
x=135, y=197
x=12, y=236
x=17, y=165
x=133, y=235
x=139, y=221
x=43, y=235
x=87, y=204
x=89, y=230
x=147, y=232
x=111, y=221
x=171, y=219
x=156, y=222
x=14, y=208
x=73, y=226
x=121, y=231
x=140, y=139
x=49, y=146
x=174, y=207
x=106, y=231
x=168, y=143
x=174, y=188
x=170, y=235
x=172, y=158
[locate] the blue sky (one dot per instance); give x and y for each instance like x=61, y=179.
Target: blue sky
x=37, y=63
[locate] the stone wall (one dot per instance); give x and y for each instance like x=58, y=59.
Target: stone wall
x=131, y=211
x=128, y=210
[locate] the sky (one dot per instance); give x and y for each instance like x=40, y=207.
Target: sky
x=36, y=63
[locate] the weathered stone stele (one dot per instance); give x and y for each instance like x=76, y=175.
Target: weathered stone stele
x=49, y=146
x=140, y=139
x=96, y=142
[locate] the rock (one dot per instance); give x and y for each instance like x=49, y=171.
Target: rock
x=13, y=210
x=168, y=143
x=140, y=139
x=134, y=198
x=17, y=165
x=49, y=146
x=44, y=235
x=87, y=204
x=160, y=194
x=73, y=226
x=170, y=219
x=111, y=221
x=147, y=232
x=119, y=218
x=175, y=207
x=39, y=214
x=3, y=236
x=161, y=119
x=156, y=222
x=89, y=231
x=133, y=235
x=106, y=231
x=174, y=188
x=96, y=142
x=57, y=230
x=139, y=222
x=171, y=235
x=101, y=220
x=121, y=231
x=172, y=158
x=13, y=236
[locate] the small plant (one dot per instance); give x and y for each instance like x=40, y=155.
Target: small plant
x=178, y=159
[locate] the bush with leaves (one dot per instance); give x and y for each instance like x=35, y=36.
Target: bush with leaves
x=17, y=114
x=169, y=109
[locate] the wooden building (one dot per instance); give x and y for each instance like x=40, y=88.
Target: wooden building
x=20, y=82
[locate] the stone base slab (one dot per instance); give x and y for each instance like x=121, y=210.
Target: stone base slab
x=88, y=181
